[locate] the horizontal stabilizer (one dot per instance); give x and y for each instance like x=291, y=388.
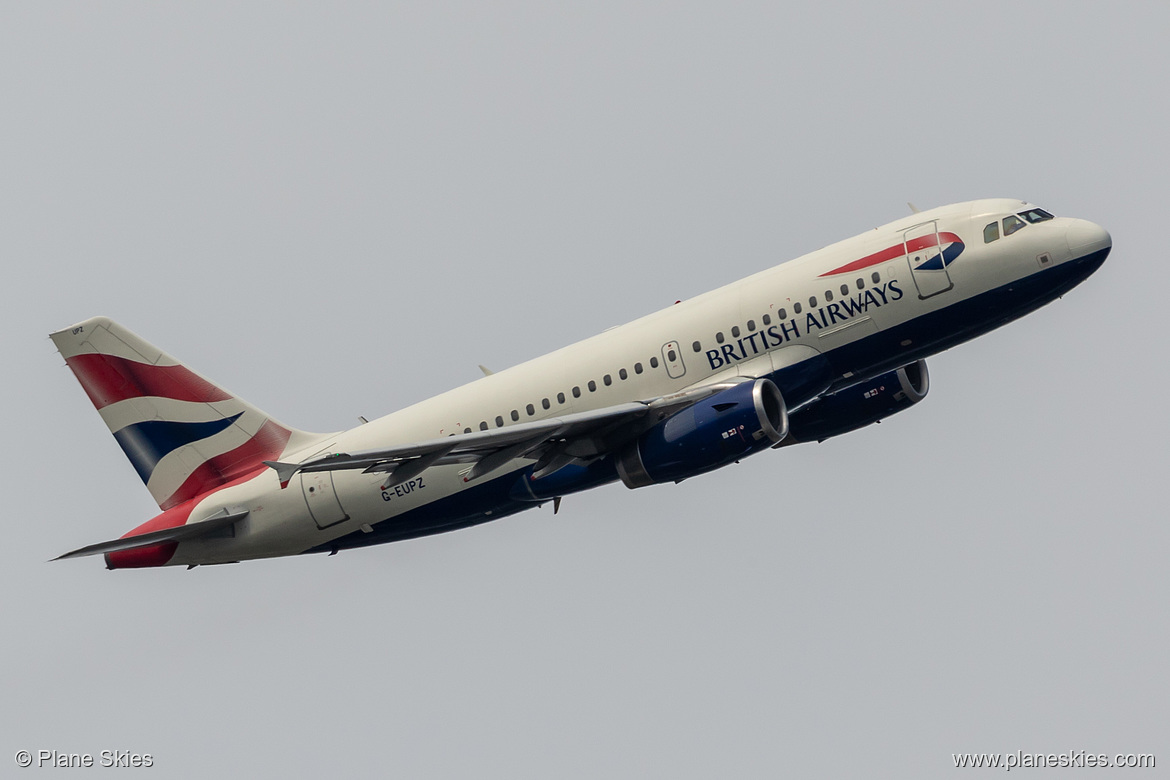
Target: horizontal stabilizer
x=180, y=533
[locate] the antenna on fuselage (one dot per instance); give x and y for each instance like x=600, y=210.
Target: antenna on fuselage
x=913, y=208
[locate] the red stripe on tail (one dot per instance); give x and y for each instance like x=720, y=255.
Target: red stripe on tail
x=267, y=444
x=108, y=379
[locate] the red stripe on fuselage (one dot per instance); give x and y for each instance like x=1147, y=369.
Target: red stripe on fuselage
x=896, y=251
x=172, y=517
x=108, y=379
x=155, y=554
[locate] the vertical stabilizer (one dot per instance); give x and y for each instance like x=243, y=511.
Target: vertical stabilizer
x=183, y=434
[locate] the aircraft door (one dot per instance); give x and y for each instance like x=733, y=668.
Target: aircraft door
x=927, y=264
x=321, y=497
x=672, y=359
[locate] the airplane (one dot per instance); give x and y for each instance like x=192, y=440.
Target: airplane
x=811, y=349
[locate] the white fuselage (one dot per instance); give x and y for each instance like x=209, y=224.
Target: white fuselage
x=757, y=326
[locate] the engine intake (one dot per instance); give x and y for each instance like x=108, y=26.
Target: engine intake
x=735, y=422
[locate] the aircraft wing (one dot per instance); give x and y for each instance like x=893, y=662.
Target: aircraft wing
x=224, y=517
x=554, y=442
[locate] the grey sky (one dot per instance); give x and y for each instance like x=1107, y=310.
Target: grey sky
x=339, y=209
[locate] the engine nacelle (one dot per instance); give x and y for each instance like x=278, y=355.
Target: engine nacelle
x=858, y=406
x=738, y=421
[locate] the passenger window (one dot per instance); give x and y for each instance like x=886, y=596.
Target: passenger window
x=991, y=233
x=560, y=398
x=577, y=391
x=696, y=346
x=515, y=415
x=592, y=386
x=751, y=325
x=672, y=356
x=545, y=404
x=483, y=426
x=719, y=337
x=844, y=289
x=653, y=362
x=860, y=284
x=828, y=295
x=783, y=314
x=812, y=301
x=530, y=409
x=499, y=422
x=767, y=319
x=607, y=379
x=623, y=374
x=467, y=430
x=637, y=368
x=876, y=277
x=1012, y=224
x=796, y=308
x=735, y=331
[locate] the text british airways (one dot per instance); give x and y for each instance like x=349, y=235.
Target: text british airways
x=824, y=317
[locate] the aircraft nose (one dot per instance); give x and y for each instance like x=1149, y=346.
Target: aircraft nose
x=1085, y=238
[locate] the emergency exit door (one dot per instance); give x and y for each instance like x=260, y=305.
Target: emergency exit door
x=927, y=265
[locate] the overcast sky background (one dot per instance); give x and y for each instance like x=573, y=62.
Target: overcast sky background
x=340, y=209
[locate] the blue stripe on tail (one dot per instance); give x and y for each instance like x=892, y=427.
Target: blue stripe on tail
x=146, y=443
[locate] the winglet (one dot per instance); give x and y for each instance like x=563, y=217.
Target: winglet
x=284, y=471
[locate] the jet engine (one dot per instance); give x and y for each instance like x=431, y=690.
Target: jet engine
x=735, y=422
x=858, y=406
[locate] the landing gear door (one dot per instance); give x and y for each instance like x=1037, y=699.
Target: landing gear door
x=321, y=497
x=928, y=266
x=672, y=359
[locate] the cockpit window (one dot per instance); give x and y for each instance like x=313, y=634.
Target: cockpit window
x=1012, y=224
x=991, y=233
x=1036, y=215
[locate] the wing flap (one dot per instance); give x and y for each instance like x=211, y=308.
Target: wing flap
x=579, y=436
x=461, y=448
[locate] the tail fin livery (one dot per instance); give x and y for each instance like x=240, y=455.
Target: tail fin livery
x=183, y=434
